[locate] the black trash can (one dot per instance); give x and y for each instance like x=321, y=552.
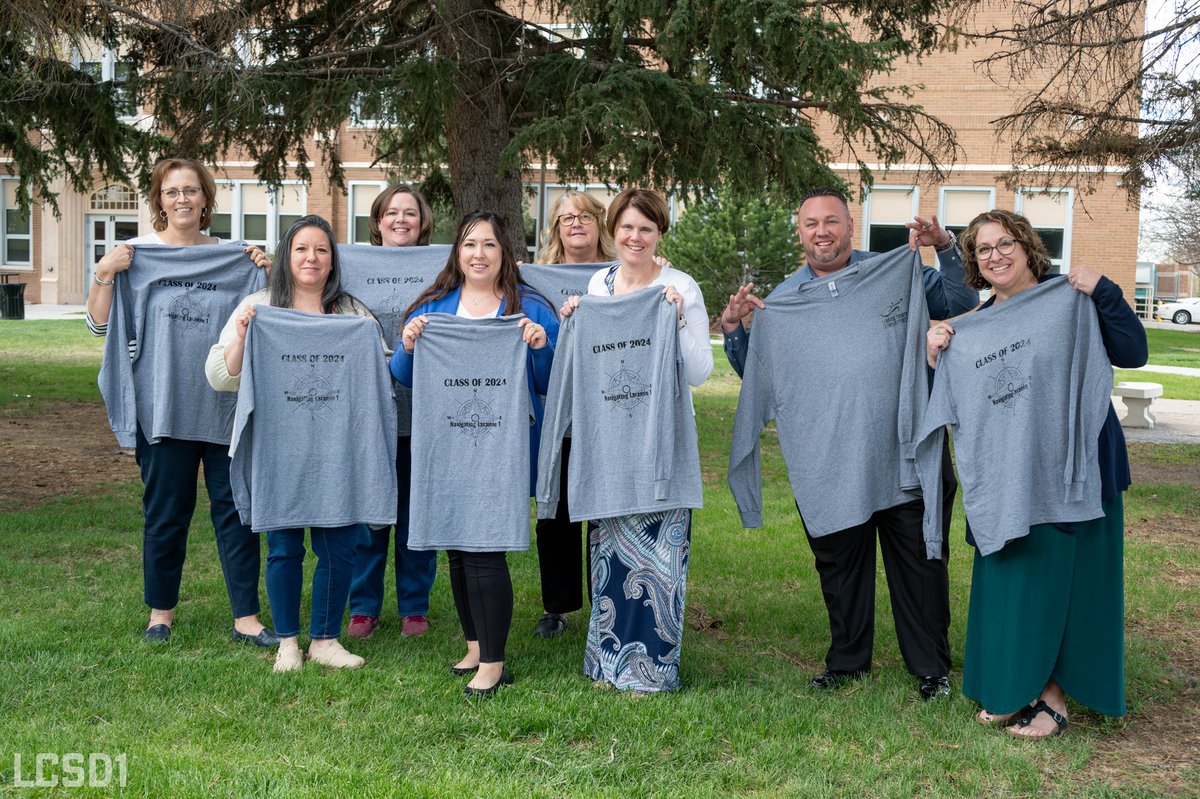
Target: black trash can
x=12, y=300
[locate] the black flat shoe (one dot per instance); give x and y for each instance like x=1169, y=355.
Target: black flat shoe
x=551, y=625
x=159, y=632
x=834, y=679
x=934, y=686
x=462, y=671
x=266, y=637
x=505, y=679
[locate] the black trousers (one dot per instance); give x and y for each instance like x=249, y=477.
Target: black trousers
x=919, y=586
x=483, y=597
x=560, y=551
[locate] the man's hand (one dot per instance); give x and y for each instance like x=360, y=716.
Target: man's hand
x=924, y=232
x=741, y=303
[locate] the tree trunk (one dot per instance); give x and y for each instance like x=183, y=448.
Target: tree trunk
x=477, y=128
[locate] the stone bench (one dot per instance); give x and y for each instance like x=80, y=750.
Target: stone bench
x=1137, y=398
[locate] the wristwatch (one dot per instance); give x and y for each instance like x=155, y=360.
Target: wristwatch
x=949, y=245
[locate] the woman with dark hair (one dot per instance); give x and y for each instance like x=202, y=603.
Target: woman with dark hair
x=182, y=201
x=400, y=217
x=636, y=628
x=1046, y=614
x=309, y=281
x=481, y=280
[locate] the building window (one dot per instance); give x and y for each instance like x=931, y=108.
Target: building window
x=249, y=211
x=103, y=66
x=114, y=198
x=1049, y=211
x=958, y=205
x=885, y=212
x=17, y=239
x=362, y=195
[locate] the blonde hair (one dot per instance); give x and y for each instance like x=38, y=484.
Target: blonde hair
x=552, y=248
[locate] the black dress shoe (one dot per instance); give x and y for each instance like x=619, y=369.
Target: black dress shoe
x=551, y=625
x=505, y=679
x=462, y=671
x=266, y=637
x=158, y=632
x=834, y=679
x=934, y=686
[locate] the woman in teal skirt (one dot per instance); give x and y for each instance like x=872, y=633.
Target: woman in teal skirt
x=1046, y=616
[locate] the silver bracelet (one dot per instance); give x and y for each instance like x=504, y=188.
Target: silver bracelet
x=100, y=282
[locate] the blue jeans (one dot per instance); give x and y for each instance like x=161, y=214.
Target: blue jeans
x=169, y=470
x=334, y=548
x=415, y=571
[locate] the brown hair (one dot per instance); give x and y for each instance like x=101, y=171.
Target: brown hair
x=552, y=248
x=209, y=186
x=1014, y=225
x=283, y=286
x=509, y=281
x=384, y=200
x=650, y=203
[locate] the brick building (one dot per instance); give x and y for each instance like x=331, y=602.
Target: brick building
x=55, y=257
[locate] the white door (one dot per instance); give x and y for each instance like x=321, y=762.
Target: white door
x=104, y=231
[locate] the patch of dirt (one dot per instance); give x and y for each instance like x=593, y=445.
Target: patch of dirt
x=68, y=450
x=1146, y=471
x=697, y=617
x=1169, y=529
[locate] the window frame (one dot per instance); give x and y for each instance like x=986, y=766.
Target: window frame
x=915, y=204
x=108, y=67
x=944, y=190
x=352, y=187
x=236, y=225
x=5, y=235
x=1061, y=265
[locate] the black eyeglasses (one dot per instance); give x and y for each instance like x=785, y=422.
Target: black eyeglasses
x=1004, y=247
x=569, y=219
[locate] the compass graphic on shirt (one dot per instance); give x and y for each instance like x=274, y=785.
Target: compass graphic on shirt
x=391, y=312
x=626, y=389
x=312, y=393
x=1008, y=385
x=188, y=310
x=475, y=419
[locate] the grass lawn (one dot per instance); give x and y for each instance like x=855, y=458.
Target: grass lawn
x=1173, y=347
x=201, y=717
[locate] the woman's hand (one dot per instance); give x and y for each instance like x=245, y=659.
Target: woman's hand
x=936, y=340
x=408, y=338
x=569, y=306
x=1083, y=278
x=243, y=322
x=672, y=295
x=532, y=333
x=662, y=262
x=259, y=257
x=118, y=259
x=741, y=303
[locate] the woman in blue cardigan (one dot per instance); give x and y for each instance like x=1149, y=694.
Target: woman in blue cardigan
x=481, y=279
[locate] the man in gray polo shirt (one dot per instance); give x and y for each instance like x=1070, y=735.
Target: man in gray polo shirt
x=845, y=560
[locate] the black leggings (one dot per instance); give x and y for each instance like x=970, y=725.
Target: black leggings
x=483, y=597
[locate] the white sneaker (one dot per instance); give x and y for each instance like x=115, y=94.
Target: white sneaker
x=289, y=658
x=335, y=656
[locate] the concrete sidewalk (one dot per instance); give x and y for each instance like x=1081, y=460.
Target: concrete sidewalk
x=41, y=312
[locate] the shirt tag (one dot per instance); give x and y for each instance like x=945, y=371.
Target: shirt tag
x=833, y=288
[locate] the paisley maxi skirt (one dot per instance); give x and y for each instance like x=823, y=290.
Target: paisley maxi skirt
x=638, y=583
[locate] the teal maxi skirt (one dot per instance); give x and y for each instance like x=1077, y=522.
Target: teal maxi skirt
x=1050, y=606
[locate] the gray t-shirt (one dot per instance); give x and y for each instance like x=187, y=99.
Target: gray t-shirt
x=172, y=301
x=838, y=363
x=388, y=280
x=1025, y=387
x=470, y=436
x=558, y=282
x=619, y=380
x=314, y=440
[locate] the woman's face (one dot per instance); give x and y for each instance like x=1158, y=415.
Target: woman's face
x=311, y=259
x=401, y=222
x=1003, y=272
x=577, y=238
x=636, y=235
x=479, y=256
x=182, y=198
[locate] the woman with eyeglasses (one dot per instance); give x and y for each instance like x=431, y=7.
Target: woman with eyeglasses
x=182, y=202
x=1047, y=610
x=577, y=234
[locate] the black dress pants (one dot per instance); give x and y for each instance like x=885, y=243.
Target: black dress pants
x=483, y=596
x=560, y=551
x=919, y=586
